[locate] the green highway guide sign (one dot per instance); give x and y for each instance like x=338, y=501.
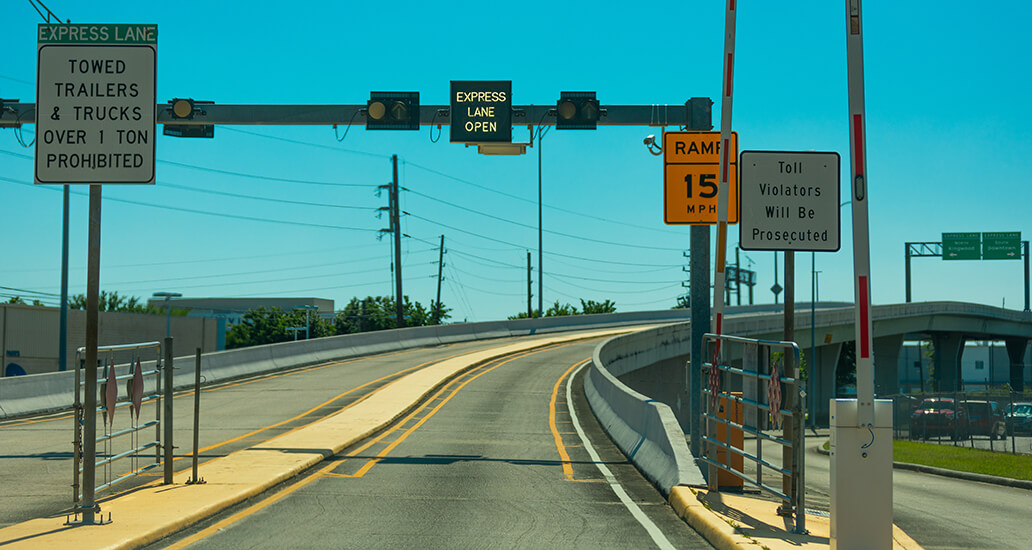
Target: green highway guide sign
x=1001, y=246
x=961, y=246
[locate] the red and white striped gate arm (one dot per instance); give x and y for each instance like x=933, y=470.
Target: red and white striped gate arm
x=723, y=188
x=861, y=243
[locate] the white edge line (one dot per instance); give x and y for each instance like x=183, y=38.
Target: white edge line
x=657, y=536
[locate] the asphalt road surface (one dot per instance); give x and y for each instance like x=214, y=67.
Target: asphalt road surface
x=493, y=460
x=36, y=453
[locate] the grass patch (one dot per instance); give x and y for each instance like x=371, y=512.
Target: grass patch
x=963, y=459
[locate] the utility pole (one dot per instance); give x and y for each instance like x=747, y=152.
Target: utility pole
x=396, y=226
x=440, y=277
x=530, y=286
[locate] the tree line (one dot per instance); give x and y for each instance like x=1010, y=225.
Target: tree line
x=270, y=325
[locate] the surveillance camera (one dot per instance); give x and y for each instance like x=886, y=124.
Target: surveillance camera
x=650, y=139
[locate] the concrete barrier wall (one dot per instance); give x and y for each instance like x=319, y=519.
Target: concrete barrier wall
x=39, y=393
x=646, y=430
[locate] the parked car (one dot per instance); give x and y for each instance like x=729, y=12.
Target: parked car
x=985, y=418
x=1019, y=418
x=938, y=416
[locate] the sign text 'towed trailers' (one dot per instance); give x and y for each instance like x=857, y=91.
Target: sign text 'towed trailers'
x=95, y=97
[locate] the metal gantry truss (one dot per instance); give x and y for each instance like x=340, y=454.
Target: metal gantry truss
x=934, y=249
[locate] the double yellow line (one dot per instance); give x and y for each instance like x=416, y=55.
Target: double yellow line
x=327, y=470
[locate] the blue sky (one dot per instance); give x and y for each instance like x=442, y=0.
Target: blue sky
x=948, y=135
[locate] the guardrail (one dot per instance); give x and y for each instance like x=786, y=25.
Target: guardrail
x=760, y=362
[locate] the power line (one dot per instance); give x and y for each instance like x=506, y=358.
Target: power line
x=266, y=199
x=202, y=261
x=531, y=201
x=267, y=178
x=22, y=290
x=589, y=239
x=453, y=228
x=308, y=143
x=202, y=212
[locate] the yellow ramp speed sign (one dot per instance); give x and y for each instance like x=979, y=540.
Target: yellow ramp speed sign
x=691, y=178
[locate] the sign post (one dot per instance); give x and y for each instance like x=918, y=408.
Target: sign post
x=95, y=124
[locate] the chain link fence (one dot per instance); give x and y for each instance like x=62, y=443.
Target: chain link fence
x=996, y=420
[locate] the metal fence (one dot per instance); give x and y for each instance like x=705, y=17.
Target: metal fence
x=996, y=420
x=743, y=395
x=123, y=439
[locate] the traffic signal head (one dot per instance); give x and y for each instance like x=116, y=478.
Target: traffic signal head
x=577, y=111
x=184, y=109
x=392, y=111
x=699, y=113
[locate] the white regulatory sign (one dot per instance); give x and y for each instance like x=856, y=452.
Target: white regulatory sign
x=789, y=201
x=95, y=103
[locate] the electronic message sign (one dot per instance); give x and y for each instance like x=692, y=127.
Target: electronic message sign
x=481, y=111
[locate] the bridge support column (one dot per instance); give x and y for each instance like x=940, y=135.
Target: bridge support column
x=886, y=364
x=823, y=383
x=948, y=348
x=1016, y=352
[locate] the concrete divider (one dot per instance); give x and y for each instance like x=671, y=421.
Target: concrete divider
x=645, y=430
x=41, y=393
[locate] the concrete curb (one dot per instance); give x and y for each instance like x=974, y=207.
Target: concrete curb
x=715, y=530
x=967, y=476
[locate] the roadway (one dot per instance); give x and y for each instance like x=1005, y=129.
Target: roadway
x=493, y=459
x=36, y=453
x=489, y=452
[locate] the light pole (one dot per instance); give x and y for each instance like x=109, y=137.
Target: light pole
x=541, y=131
x=168, y=308
x=308, y=317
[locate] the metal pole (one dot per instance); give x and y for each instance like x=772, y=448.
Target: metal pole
x=700, y=324
x=541, y=253
x=168, y=316
x=308, y=323
x=396, y=225
x=811, y=369
x=77, y=441
x=906, y=250
x=530, y=286
x=791, y=370
x=196, y=416
x=738, y=278
x=62, y=347
x=440, y=277
x=89, y=466
x=167, y=420
x=1026, y=277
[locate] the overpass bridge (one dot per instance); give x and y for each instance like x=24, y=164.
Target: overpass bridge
x=490, y=457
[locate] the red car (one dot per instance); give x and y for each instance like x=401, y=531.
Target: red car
x=985, y=418
x=940, y=416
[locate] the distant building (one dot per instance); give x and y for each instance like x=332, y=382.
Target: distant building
x=981, y=364
x=233, y=309
x=30, y=335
